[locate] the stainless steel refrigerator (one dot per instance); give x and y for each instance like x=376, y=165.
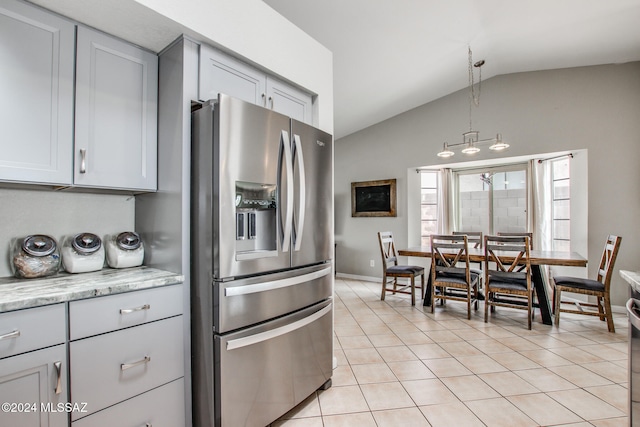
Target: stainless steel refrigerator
x=262, y=226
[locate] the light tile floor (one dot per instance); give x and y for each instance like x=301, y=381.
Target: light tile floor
x=403, y=366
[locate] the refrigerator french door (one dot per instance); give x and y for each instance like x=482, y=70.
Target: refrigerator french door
x=262, y=226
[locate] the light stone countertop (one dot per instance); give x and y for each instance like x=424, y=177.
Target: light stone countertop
x=17, y=294
x=632, y=277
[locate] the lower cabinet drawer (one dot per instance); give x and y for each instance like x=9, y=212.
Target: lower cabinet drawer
x=160, y=407
x=113, y=367
x=32, y=328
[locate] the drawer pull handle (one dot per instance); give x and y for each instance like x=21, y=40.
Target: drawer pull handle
x=133, y=310
x=83, y=160
x=125, y=366
x=147, y=425
x=58, y=366
x=14, y=334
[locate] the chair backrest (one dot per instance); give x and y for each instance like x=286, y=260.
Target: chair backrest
x=609, y=255
x=508, y=257
x=447, y=251
x=387, y=249
x=530, y=235
x=473, y=237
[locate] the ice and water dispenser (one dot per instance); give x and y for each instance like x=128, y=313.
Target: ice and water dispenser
x=255, y=219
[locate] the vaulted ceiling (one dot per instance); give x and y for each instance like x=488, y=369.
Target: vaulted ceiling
x=393, y=55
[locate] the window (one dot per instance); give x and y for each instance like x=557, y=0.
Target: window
x=492, y=200
x=561, y=195
x=428, y=205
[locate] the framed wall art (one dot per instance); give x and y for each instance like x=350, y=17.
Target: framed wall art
x=373, y=198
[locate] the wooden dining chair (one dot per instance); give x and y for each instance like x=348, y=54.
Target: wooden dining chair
x=598, y=288
x=391, y=269
x=450, y=272
x=473, y=237
x=530, y=235
x=507, y=269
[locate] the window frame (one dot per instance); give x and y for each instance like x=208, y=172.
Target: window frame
x=436, y=204
x=511, y=167
x=554, y=199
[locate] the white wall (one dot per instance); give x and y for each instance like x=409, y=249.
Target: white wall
x=593, y=108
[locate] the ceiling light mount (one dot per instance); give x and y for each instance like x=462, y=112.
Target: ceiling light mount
x=471, y=139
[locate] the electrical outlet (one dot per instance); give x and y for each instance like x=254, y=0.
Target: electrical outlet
x=372, y=263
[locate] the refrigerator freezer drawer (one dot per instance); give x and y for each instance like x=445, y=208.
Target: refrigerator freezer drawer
x=240, y=303
x=266, y=370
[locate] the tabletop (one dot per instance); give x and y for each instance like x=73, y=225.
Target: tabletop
x=570, y=259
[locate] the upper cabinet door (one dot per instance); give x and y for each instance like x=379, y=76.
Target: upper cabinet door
x=220, y=73
x=36, y=105
x=116, y=114
x=289, y=101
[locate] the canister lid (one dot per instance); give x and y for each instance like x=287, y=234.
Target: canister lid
x=39, y=245
x=86, y=243
x=128, y=240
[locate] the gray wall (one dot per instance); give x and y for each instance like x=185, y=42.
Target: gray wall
x=59, y=214
x=593, y=108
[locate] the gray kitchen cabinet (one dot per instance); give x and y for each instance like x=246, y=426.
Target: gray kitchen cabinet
x=36, y=106
x=35, y=387
x=221, y=73
x=33, y=367
x=167, y=403
x=116, y=114
x=132, y=345
x=289, y=101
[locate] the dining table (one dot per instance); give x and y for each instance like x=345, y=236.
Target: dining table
x=538, y=259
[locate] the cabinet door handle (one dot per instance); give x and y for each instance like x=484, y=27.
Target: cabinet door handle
x=272, y=102
x=83, y=160
x=147, y=425
x=58, y=366
x=10, y=335
x=125, y=366
x=264, y=100
x=133, y=310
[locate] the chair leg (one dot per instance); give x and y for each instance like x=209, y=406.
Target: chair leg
x=556, y=303
x=529, y=311
x=384, y=287
x=599, y=302
x=395, y=284
x=609, y=314
x=475, y=293
x=413, y=290
x=486, y=305
x=433, y=296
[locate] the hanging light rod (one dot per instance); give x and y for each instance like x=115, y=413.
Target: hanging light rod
x=471, y=138
x=470, y=141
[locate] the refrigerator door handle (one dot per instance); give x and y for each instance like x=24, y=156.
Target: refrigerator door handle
x=297, y=237
x=267, y=335
x=285, y=148
x=275, y=284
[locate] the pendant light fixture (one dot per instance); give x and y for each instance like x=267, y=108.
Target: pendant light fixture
x=471, y=139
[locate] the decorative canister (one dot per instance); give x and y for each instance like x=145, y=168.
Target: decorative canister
x=124, y=250
x=83, y=253
x=35, y=256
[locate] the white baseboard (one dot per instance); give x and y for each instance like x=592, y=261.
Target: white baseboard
x=358, y=277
